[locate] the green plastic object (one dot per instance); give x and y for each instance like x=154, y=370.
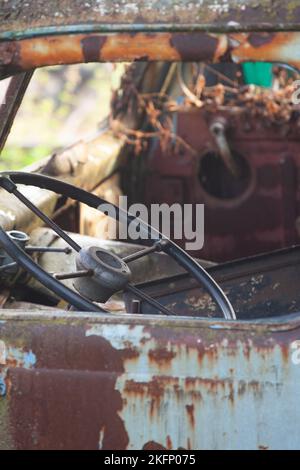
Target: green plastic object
x=258, y=73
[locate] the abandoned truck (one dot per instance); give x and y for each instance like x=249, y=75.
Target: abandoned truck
x=143, y=344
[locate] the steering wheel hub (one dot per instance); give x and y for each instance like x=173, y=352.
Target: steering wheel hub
x=109, y=274
x=106, y=273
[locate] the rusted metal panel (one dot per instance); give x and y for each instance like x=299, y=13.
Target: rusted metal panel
x=272, y=47
x=16, y=56
x=17, y=16
x=78, y=48
x=146, y=382
x=268, y=152
x=261, y=286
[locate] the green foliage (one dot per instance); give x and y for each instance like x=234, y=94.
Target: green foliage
x=62, y=105
x=16, y=158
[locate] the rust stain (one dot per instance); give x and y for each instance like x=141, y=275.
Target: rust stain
x=255, y=386
x=259, y=40
x=139, y=46
x=78, y=372
x=212, y=47
x=9, y=52
x=161, y=356
x=152, y=445
x=91, y=47
x=135, y=388
x=286, y=353
x=78, y=48
x=50, y=51
x=231, y=392
x=153, y=390
x=278, y=47
x=227, y=386
x=70, y=394
x=130, y=354
x=190, y=412
x=211, y=354
x=169, y=443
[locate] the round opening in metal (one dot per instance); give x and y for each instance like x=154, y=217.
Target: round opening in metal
x=108, y=259
x=18, y=236
x=218, y=181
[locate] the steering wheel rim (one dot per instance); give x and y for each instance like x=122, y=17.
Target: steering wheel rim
x=9, y=180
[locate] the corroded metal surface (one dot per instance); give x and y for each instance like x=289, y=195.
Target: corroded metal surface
x=133, y=383
x=272, y=47
x=17, y=15
x=261, y=286
x=16, y=56
x=255, y=213
x=78, y=48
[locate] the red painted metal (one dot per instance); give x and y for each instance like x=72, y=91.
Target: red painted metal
x=263, y=215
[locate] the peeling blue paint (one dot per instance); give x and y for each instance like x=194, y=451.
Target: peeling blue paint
x=2, y=387
x=24, y=359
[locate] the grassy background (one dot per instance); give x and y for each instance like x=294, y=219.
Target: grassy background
x=62, y=105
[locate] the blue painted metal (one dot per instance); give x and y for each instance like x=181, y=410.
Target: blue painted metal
x=2, y=387
x=151, y=382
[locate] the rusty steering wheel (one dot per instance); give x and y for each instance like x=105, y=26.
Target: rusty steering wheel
x=106, y=273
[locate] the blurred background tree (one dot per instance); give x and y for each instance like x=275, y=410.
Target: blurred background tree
x=62, y=105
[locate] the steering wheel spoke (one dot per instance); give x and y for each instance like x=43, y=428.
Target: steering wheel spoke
x=14, y=190
x=112, y=271
x=157, y=246
x=146, y=298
